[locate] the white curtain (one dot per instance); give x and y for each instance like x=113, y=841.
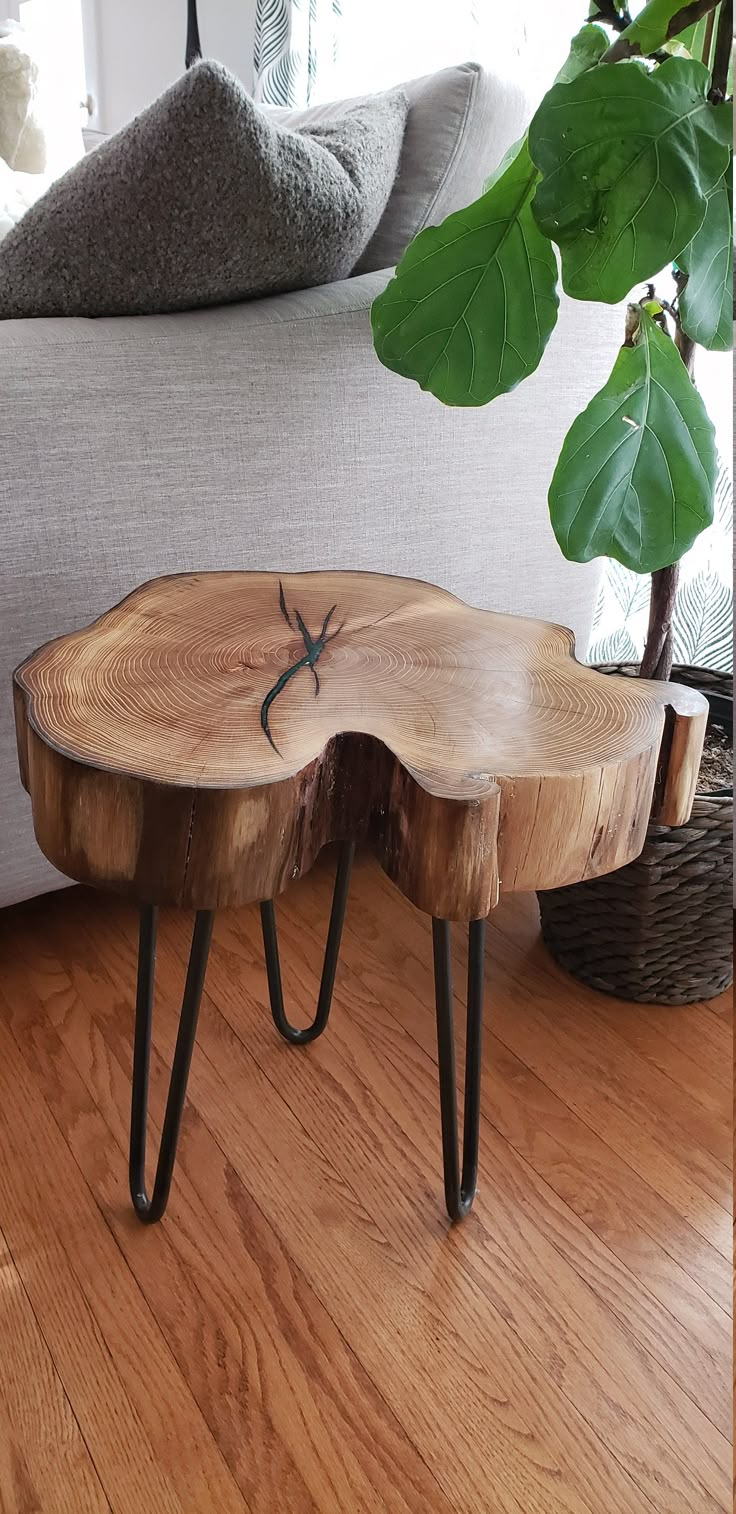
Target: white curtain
x=296, y=50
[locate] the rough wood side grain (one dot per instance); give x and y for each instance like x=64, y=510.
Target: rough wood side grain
x=202, y=741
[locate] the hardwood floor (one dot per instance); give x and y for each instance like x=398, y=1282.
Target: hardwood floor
x=304, y=1331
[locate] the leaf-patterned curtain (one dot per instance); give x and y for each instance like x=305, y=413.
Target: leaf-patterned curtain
x=295, y=49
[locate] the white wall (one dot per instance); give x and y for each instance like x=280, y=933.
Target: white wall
x=138, y=49
x=135, y=48
x=385, y=41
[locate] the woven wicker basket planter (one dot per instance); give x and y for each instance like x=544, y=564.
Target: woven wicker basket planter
x=659, y=931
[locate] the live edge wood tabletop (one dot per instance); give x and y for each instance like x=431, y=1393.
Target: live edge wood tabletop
x=201, y=742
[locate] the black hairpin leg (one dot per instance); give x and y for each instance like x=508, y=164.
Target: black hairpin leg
x=459, y=1192
x=151, y=1209
x=273, y=969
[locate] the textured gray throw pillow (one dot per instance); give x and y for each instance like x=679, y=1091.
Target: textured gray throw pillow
x=204, y=199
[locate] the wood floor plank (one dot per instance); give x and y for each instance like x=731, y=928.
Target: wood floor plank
x=120, y=1379
x=493, y=1343
x=614, y=1199
x=691, y=1046
x=722, y=1005
x=44, y=1462
x=417, y=1363
x=579, y=1169
x=267, y=1365
x=684, y=1172
x=635, y=1106
x=527, y=1020
x=334, y=1345
x=700, y=1372
x=350, y=1057
x=588, y=1381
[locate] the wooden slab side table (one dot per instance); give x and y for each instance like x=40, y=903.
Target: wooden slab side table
x=201, y=742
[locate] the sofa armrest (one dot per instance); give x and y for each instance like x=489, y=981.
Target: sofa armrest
x=229, y=323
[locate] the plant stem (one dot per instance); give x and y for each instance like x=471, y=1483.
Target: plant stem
x=722, y=54
x=684, y=343
x=658, y=648
x=657, y=659
x=607, y=12
x=685, y=346
x=689, y=14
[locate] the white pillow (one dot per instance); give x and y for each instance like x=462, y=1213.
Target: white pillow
x=22, y=140
x=460, y=123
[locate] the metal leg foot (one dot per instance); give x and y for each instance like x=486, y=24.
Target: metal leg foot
x=151, y=1209
x=273, y=969
x=459, y=1193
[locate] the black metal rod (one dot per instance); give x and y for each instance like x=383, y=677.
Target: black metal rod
x=459, y=1190
x=193, y=46
x=301, y=1037
x=151, y=1209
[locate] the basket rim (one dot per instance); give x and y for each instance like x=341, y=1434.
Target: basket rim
x=712, y=675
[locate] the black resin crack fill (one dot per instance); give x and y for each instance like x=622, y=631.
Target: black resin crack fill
x=313, y=649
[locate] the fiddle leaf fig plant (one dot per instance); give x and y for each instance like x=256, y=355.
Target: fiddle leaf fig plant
x=626, y=169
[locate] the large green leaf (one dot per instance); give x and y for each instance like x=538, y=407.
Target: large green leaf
x=471, y=307
x=706, y=304
x=628, y=159
x=637, y=472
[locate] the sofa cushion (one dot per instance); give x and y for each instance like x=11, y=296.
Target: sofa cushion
x=201, y=200
x=460, y=123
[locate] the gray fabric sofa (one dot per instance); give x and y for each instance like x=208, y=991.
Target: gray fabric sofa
x=267, y=435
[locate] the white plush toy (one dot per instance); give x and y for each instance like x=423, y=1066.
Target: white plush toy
x=22, y=138
x=35, y=143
